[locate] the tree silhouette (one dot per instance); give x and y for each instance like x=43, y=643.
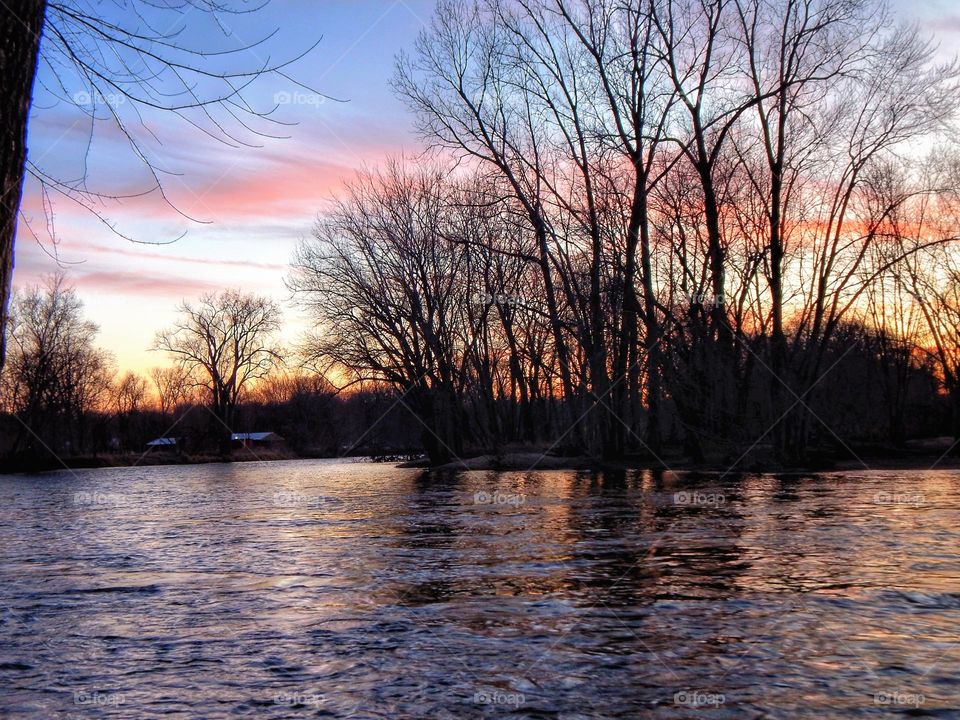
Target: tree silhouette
x=223, y=343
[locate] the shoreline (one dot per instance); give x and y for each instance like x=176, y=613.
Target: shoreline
x=529, y=461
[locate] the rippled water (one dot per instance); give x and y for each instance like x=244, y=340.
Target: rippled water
x=325, y=589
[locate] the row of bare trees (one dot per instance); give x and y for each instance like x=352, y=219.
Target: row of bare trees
x=57, y=380
x=55, y=374
x=657, y=219
x=690, y=221
x=62, y=399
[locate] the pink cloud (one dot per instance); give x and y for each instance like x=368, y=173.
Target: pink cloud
x=129, y=284
x=287, y=179
x=276, y=189
x=947, y=23
x=125, y=249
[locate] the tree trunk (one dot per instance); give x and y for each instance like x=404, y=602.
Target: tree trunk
x=652, y=338
x=556, y=327
x=21, y=23
x=625, y=370
x=778, y=361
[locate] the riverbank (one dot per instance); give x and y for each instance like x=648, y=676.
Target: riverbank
x=83, y=462
x=918, y=455
x=522, y=462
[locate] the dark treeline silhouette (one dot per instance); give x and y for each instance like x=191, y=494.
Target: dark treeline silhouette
x=65, y=402
x=406, y=289
x=311, y=424
x=688, y=222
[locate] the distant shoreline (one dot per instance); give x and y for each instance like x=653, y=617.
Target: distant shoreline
x=522, y=461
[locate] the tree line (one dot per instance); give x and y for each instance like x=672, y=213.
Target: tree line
x=673, y=220
x=62, y=398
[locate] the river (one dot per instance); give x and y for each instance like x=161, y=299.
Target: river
x=355, y=590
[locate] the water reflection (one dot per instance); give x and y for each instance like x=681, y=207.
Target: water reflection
x=320, y=589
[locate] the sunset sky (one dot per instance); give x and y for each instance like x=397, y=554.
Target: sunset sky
x=257, y=202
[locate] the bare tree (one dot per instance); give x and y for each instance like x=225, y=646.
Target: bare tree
x=797, y=54
x=632, y=102
x=225, y=342
x=130, y=393
x=924, y=233
x=390, y=292
x=56, y=375
x=172, y=386
x=468, y=95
